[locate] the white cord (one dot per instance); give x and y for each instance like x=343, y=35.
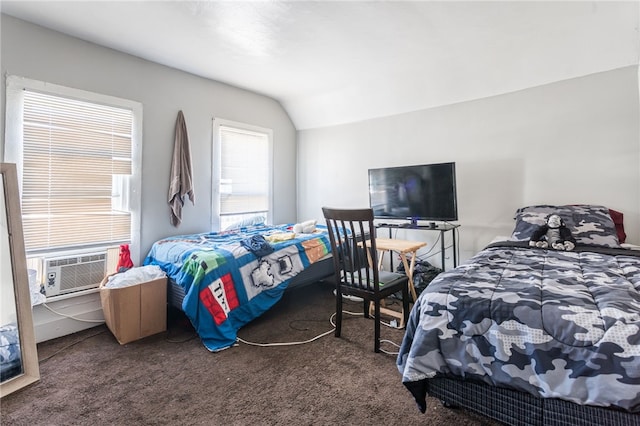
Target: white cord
x=393, y=343
x=355, y=314
x=70, y=316
x=265, y=345
x=381, y=340
x=326, y=333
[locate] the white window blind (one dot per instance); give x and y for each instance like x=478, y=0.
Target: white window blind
x=77, y=159
x=244, y=172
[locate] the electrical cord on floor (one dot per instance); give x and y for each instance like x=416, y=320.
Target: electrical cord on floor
x=347, y=300
x=301, y=328
x=393, y=343
x=70, y=316
x=69, y=346
x=303, y=342
x=321, y=335
x=381, y=340
x=171, y=339
x=313, y=339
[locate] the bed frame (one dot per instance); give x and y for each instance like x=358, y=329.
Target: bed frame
x=518, y=408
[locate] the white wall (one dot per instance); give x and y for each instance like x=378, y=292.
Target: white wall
x=574, y=141
x=38, y=53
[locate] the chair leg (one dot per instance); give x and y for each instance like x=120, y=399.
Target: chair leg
x=405, y=306
x=338, y=311
x=376, y=345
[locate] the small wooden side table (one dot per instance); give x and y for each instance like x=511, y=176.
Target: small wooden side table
x=403, y=248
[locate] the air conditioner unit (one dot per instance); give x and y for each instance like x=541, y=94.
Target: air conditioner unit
x=74, y=272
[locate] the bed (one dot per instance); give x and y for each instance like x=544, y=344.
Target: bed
x=527, y=335
x=10, y=359
x=223, y=280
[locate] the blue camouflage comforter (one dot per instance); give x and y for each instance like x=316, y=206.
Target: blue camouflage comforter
x=552, y=323
x=230, y=278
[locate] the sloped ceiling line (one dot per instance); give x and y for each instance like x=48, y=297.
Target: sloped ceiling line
x=332, y=63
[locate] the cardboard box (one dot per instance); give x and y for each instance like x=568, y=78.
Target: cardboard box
x=136, y=311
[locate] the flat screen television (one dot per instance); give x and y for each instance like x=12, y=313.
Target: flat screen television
x=420, y=192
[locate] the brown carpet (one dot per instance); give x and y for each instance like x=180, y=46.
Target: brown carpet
x=171, y=379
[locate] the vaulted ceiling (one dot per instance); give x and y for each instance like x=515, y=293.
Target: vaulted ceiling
x=333, y=62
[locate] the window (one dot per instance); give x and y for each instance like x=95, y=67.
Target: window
x=242, y=177
x=78, y=157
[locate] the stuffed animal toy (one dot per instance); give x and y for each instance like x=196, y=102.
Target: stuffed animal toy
x=308, y=227
x=554, y=233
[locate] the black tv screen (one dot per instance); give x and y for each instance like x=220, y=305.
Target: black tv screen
x=420, y=192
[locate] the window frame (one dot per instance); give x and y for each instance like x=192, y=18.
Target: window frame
x=13, y=145
x=216, y=162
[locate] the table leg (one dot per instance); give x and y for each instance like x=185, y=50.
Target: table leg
x=455, y=250
x=383, y=309
x=442, y=254
x=409, y=271
x=380, y=259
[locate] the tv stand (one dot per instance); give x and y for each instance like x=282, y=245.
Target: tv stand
x=443, y=228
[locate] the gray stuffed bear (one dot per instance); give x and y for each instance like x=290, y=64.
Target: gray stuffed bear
x=554, y=234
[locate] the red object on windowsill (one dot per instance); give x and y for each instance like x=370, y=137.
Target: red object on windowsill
x=124, y=262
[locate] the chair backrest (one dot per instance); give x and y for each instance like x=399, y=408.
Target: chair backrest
x=353, y=246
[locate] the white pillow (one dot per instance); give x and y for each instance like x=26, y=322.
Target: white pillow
x=249, y=221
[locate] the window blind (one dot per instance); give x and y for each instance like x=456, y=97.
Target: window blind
x=77, y=156
x=244, y=183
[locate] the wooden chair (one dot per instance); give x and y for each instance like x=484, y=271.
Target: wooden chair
x=355, y=258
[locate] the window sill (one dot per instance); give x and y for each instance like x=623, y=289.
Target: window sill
x=72, y=295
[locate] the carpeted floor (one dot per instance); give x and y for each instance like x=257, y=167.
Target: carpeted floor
x=171, y=379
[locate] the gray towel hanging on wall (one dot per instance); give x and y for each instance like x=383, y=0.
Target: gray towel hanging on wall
x=181, y=174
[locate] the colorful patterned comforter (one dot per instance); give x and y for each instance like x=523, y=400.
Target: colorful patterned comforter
x=226, y=284
x=555, y=324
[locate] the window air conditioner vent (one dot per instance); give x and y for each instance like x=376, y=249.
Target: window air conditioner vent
x=74, y=273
